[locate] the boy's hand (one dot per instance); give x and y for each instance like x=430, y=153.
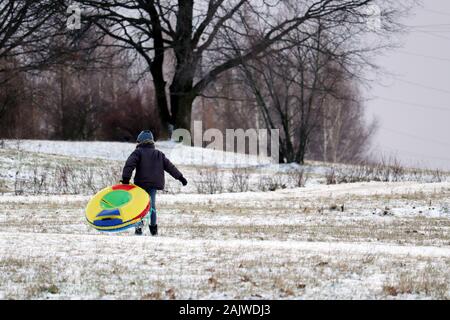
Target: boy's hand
x=124, y=181
x=183, y=180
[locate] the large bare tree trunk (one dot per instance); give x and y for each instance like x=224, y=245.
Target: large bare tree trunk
x=194, y=28
x=161, y=101
x=181, y=99
x=181, y=106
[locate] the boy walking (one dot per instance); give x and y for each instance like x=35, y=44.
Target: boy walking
x=150, y=165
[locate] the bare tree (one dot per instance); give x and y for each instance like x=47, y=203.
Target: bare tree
x=11, y=98
x=291, y=87
x=343, y=134
x=195, y=30
x=308, y=88
x=25, y=27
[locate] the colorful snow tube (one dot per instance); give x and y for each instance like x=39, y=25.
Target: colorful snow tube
x=118, y=207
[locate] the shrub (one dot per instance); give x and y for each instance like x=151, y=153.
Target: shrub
x=239, y=180
x=298, y=177
x=210, y=181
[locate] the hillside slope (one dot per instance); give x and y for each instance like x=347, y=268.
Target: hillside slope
x=285, y=244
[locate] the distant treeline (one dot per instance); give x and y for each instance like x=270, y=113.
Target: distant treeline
x=296, y=67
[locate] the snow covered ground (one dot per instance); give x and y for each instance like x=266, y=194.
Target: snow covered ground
x=349, y=241
x=179, y=153
x=49, y=167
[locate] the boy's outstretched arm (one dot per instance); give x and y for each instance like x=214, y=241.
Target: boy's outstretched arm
x=173, y=171
x=130, y=165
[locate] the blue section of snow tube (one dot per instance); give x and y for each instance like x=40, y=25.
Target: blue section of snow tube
x=120, y=229
x=117, y=229
x=108, y=222
x=113, y=212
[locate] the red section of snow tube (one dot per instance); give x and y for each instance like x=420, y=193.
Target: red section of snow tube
x=122, y=187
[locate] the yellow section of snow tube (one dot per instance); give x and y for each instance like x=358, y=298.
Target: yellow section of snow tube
x=117, y=207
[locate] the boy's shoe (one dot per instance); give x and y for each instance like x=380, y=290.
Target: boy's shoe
x=138, y=229
x=153, y=229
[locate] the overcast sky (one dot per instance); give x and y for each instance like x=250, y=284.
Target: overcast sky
x=413, y=106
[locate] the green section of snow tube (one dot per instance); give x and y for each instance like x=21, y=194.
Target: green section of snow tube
x=115, y=199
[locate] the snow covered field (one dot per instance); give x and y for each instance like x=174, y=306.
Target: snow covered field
x=350, y=241
x=35, y=166
x=181, y=154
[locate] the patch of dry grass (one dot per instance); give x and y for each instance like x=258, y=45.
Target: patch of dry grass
x=60, y=264
x=428, y=281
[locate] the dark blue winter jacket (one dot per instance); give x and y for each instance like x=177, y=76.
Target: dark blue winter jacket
x=150, y=165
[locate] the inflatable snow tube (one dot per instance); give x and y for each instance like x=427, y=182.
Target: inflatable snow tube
x=118, y=207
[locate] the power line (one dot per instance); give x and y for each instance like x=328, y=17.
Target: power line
x=407, y=134
x=418, y=154
x=428, y=25
x=437, y=12
x=439, y=33
x=423, y=86
x=412, y=104
x=435, y=29
x=432, y=28
x=423, y=56
x=432, y=34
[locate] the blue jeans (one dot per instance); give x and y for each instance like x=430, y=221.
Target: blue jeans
x=152, y=215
